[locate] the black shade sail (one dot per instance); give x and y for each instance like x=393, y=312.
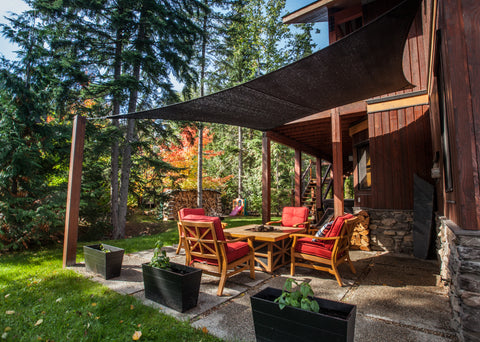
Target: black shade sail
x=364, y=64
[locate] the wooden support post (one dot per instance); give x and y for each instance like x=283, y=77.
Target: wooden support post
x=73, y=194
x=337, y=163
x=298, y=178
x=318, y=177
x=266, y=179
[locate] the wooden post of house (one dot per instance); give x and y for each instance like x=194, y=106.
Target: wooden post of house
x=73, y=194
x=266, y=170
x=337, y=163
x=298, y=178
x=318, y=177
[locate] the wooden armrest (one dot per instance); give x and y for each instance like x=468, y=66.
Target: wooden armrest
x=273, y=222
x=315, y=237
x=235, y=240
x=224, y=225
x=306, y=223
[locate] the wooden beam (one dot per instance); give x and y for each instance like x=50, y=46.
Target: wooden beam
x=337, y=164
x=392, y=104
x=73, y=193
x=355, y=107
x=298, y=178
x=266, y=179
x=358, y=128
x=318, y=177
x=308, y=11
x=284, y=140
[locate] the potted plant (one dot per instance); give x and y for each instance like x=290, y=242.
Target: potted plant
x=295, y=315
x=103, y=259
x=171, y=284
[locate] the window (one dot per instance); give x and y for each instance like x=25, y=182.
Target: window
x=364, y=166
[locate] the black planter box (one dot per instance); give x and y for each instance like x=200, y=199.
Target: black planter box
x=109, y=265
x=334, y=322
x=177, y=287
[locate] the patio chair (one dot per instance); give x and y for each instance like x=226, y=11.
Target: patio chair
x=294, y=217
x=206, y=248
x=327, y=252
x=181, y=214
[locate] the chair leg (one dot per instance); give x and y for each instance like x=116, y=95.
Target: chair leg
x=223, y=280
x=252, y=267
x=337, y=275
x=350, y=263
x=292, y=265
x=180, y=244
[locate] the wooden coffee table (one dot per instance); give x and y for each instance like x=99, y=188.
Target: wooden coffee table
x=272, y=249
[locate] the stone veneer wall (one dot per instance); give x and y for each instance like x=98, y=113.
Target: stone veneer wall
x=390, y=230
x=459, y=252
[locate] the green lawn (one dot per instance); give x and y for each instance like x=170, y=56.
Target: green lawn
x=41, y=301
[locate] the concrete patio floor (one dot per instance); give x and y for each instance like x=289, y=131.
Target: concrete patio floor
x=397, y=296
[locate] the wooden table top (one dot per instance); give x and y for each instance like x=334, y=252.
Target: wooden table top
x=246, y=231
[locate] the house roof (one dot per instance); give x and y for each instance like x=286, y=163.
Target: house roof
x=364, y=64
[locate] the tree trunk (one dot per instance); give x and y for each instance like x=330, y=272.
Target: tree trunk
x=115, y=146
x=240, y=163
x=200, y=167
x=200, y=127
x=127, y=151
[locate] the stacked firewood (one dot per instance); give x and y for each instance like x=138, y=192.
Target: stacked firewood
x=360, y=237
x=188, y=199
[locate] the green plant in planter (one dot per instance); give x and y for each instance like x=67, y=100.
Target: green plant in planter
x=160, y=258
x=301, y=297
x=103, y=249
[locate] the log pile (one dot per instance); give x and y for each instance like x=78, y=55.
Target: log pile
x=188, y=199
x=360, y=236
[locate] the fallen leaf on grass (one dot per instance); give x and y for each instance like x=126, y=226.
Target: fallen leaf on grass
x=94, y=304
x=9, y=312
x=121, y=321
x=40, y=321
x=7, y=295
x=59, y=300
x=7, y=329
x=205, y=330
x=136, y=336
x=132, y=307
x=4, y=336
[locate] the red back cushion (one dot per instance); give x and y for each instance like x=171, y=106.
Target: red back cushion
x=190, y=211
x=294, y=215
x=216, y=222
x=337, y=225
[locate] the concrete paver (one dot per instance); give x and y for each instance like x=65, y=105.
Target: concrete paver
x=397, y=296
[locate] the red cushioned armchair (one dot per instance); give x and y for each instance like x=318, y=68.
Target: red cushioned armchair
x=181, y=214
x=294, y=217
x=327, y=252
x=206, y=248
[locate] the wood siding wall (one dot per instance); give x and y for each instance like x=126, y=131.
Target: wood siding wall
x=400, y=146
x=460, y=50
x=400, y=140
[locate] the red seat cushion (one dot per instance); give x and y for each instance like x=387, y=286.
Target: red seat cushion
x=190, y=211
x=318, y=248
x=294, y=215
x=236, y=250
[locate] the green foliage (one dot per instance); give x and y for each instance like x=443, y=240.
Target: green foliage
x=103, y=249
x=40, y=300
x=301, y=297
x=160, y=258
